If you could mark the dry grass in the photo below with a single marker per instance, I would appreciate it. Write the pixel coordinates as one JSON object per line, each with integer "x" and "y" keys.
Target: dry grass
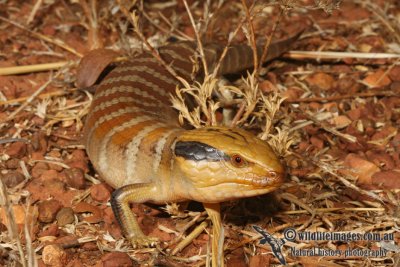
{"x": 268, "y": 114}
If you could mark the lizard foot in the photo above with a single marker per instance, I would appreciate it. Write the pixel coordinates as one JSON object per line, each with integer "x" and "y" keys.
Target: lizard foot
{"x": 144, "y": 241}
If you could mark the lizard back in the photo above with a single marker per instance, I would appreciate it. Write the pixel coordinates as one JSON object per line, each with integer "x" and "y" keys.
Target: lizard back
{"x": 131, "y": 124}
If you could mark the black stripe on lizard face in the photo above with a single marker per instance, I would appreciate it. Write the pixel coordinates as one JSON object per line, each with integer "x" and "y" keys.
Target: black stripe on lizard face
{"x": 218, "y": 131}
{"x": 231, "y": 134}
{"x": 197, "y": 151}
{"x": 237, "y": 133}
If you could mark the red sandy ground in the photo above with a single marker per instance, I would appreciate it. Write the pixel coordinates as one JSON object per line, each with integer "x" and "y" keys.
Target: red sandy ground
{"x": 60, "y": 196}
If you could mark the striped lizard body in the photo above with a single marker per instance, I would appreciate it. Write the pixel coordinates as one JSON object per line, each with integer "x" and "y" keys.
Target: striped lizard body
{"x": 134, "y": 141}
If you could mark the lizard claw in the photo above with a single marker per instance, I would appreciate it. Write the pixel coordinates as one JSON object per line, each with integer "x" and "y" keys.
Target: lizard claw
{"x": 144, "y": 241}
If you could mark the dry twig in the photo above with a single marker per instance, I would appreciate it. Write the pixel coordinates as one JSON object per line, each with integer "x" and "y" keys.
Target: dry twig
{"x": 12, "y": 226}
{"x": 269, "y": 40}
{"x": 135, "y": 22}
{"x": 198, "y": 39}
{"x": 56, "y": 42}
{"x": 35, "y": 9}
{"x": 33, "y": 68}
{"x": 252, "y": 35}
{"x": 341, "y": 97}
{"x": 31, "y": 98}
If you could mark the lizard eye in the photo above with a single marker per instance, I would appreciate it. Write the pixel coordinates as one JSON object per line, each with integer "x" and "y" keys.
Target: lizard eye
{"x": 238, "y": 161}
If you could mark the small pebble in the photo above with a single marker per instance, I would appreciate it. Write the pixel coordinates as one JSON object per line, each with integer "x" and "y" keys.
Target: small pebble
{"x": 54, "y": 255}
{"x": 48, "y": 210}
{"x": 75, "y": 178}
{"x": 12, "y": 178}
{"x": 114, "y": 259}
{"x": 65, "y": 216}
{"x": 100, "y": 192}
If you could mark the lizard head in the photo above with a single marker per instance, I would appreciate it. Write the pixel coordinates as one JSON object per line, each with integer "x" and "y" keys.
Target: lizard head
{"x": 220, "y": 163}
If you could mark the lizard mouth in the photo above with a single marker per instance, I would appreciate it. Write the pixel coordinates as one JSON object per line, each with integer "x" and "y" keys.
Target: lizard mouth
{"x": 273, "y": 180}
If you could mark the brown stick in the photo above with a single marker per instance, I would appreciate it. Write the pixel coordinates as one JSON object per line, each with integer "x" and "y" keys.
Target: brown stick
{"x": 340, "y": 97}
{"x": 56, "y": 42}
{"x": 269, "y": 40}
{"x": 40, "y": 96}
{"x": 182, "y": 34}
{"x": 252, "y": 35}
{"x": 90, "y": 12}
{"x": 32, "y": 15}
{"x": 31, "y": 98}
{"x": 224, "y": 52}
{"x": 239, "y": 113}
{"x": 198, "y": 39}
{"x": 32, "y": 68}
{"x": 134, "y": 20}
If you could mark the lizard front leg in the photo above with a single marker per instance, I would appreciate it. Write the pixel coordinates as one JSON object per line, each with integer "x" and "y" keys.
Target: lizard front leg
{"x": 120, "y": 200}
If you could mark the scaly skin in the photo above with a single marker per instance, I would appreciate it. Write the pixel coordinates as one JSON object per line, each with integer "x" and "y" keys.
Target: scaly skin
{"x": 203, "y": 180}
{"x": 136, "y": 145}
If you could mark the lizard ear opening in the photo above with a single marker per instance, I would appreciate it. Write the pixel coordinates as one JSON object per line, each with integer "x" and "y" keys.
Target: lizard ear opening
{"x": 197, "y": 151}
